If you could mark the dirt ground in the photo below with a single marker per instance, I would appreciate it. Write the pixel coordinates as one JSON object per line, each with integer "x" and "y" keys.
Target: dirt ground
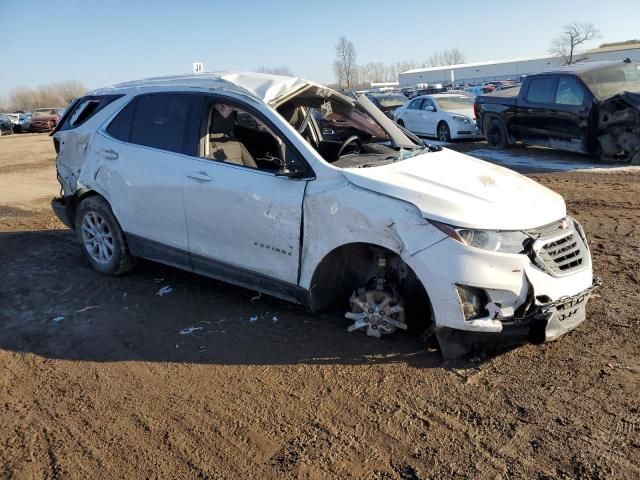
{"x": 102, "y": 378}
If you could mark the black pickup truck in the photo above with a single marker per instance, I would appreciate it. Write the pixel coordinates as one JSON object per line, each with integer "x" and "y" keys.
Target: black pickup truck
{"x": 591, "y": 108}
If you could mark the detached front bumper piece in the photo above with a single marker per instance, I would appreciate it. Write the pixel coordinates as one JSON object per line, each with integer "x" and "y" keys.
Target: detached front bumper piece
{"x": 544, "y": 324}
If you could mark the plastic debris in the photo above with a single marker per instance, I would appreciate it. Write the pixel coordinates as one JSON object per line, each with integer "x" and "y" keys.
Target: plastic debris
{"x": 164, "y": 290}
{"x": 189, "y": 330}
{"x": 87, "y": 308}
{"x": 274, "y": 319}
{"x": 253, "y": 319}
{"x": 57, "y": 319}
{"x": 257, "y": 297}
{"x": 124, "y": 295}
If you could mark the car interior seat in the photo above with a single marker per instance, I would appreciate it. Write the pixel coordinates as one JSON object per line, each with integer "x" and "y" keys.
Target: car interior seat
{"x": 223, "y": 145}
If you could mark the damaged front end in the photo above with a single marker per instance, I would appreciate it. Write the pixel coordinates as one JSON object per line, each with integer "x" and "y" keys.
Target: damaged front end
{"x": 537, "y": 323}
{"x": 619, "y": 128}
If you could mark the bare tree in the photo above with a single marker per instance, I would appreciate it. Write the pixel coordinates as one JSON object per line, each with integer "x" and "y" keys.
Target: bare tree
{"x": 570, "y": 43}
{"x": 51, "y": 95}
{"x": 446, "y": 57}
{"x": 69, "y": 90}
{"x": 344, "y": 66}
{"x": 281, "y": 70}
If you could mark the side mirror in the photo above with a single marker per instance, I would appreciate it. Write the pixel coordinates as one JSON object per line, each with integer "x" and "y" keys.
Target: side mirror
{"x": 285, "y": 172}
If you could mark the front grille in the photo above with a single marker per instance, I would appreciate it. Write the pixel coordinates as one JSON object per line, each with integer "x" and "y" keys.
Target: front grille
{"x": 560, "y": 249}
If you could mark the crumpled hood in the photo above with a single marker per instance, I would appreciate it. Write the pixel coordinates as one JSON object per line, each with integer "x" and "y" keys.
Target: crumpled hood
{"x": 460, "y": 190}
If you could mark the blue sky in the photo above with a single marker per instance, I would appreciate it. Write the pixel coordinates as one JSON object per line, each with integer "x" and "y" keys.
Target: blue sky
{"x": 103, "y": 42}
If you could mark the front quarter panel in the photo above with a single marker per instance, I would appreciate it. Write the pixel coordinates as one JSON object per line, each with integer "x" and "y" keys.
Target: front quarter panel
{"x": 338, "y": 213}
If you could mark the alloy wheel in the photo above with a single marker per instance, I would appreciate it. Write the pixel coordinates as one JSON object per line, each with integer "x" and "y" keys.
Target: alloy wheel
{"x": 97, "y": 237}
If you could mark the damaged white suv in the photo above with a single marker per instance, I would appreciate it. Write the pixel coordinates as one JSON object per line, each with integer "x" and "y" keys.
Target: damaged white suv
{"x": 229, "y": 175}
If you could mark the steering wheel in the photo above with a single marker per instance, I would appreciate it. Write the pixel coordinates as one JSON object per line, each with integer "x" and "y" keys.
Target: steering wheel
{"x": 353, "y": 139}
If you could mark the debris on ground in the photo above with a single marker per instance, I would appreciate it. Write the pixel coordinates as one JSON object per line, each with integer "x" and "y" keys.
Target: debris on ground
{"x": 253, "y": 319}
{"x": 57, "y": 319}
{"x": 87, "y": 308}
{"x": 164, "y": 290}
{"x": 189, "y": 330}
{"x": 257, "y": 297}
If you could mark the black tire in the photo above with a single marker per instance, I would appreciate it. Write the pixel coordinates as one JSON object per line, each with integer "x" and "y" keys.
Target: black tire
{"x": 400, "y": 122}
{"x": 444, "y": 134}
{"x": 496, "y": 133}
{"x": 94, "y": 215}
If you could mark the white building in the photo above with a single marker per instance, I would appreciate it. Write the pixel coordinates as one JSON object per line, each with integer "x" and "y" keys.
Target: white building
{"x": 482, "y": 72}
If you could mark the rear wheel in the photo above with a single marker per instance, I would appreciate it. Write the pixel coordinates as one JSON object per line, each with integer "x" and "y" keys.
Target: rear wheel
{"x": 496, "y": 133}
{"x": 102, "y": 238}
{"x": 444, "y": 134}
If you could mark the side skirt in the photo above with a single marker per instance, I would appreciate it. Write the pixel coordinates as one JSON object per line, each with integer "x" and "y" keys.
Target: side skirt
{"x": 175, "y": 257}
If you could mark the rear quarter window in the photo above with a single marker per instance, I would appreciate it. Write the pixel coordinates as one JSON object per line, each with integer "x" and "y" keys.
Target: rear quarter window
{"x": 83, "y": 110}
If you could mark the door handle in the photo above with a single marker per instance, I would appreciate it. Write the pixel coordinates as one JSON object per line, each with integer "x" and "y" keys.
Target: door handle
{"x": 202, "y": 176}
{"x": 110, "y": 154}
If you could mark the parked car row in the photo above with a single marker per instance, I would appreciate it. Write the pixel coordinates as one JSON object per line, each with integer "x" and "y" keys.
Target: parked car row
{"x": 41, "y": 120}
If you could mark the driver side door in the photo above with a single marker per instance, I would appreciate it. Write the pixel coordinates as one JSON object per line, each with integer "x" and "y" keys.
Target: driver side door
{"x": 243, "y": 220}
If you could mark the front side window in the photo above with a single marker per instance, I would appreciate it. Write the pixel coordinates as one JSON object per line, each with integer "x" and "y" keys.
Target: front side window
{"x": 541, "y": 90}
{"x": 428, "y": 105}
{"x": 238, "y": 137}
{"x": 415, "y": 104}
{"x": 569, "y": 92}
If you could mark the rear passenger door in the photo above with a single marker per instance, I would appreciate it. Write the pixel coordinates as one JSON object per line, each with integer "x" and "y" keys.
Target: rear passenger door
{"x": 142, "y": 153}
{"x": 535, "y": 109}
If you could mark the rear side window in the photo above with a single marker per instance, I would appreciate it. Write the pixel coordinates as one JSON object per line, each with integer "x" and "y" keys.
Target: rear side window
{"x": 83, "y": 109}
{"x": 541, "y": 90}
{"x": 158, "y": 121}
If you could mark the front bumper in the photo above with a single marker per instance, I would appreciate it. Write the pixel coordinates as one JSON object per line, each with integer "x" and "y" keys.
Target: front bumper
{"x": 544, "y": 324}
{"x": 520, "y": 294}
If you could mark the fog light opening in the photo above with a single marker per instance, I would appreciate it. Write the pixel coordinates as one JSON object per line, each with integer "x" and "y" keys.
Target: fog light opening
{"x": 473, "y": 301}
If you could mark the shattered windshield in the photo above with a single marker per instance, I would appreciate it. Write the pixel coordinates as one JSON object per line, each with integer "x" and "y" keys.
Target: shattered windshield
{"x": 608, "y": 82}
{"x": 348, "y": 134}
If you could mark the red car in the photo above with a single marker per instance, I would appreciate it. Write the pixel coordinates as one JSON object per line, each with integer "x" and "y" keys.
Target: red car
{"x": 45, "y": 119}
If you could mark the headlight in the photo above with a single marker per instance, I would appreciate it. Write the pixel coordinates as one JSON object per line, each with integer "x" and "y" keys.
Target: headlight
{"x": 491, "y": 240}
{"x": 460, "y": 119}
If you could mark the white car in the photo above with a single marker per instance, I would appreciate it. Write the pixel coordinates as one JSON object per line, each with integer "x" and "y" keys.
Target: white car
{"x": 228, "y": 175}
{"x": 446, "y": 116}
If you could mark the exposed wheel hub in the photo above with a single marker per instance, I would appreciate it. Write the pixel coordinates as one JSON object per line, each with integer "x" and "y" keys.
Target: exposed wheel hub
{"x": 377, "y": 312}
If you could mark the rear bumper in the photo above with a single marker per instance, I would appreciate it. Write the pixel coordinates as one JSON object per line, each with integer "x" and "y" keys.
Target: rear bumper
{"x": 62, "y": 210}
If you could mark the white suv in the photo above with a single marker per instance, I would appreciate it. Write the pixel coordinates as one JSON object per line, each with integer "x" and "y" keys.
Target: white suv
{"x": 228, "y": 175}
